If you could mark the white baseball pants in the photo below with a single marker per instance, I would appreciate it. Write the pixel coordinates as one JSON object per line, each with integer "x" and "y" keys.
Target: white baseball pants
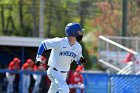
{"x": 58, "y": 81}
{"x": 25, "y": 83}
{"x": 10, "y": 79}
{"x": 37, "y": 79}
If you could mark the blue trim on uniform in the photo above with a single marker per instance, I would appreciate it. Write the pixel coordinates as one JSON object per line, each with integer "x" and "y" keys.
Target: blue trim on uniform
{"x": 78, "y": 62}
{"x": 40, "y": 49}
{"x": 44, "y": 45}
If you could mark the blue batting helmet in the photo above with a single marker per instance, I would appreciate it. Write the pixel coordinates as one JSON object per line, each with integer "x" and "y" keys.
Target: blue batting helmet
{"x": 72, "y": 29}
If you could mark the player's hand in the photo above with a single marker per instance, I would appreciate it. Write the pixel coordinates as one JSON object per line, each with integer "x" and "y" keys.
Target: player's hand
{"x": 38, "y": 61}
{"x": 83, "y": 60}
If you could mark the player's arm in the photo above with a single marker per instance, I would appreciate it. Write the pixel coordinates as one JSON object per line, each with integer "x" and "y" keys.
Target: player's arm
{"x": 41, "y": 48}
{"x": 45, "y": 45}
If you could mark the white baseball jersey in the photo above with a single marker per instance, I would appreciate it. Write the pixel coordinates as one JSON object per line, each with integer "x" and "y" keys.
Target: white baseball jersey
{"x": 62, "y": 54}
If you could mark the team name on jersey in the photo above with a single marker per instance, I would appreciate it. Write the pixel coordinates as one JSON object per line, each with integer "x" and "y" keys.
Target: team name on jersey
{"x": 67, "y": 53}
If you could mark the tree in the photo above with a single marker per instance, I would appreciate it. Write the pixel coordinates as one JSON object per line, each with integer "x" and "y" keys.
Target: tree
{"x": 109, "y": 20}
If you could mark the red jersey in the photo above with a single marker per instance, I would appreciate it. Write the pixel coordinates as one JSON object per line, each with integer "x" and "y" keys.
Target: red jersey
{"x": 76, "y": 78}
{"x": 129, "y": 57}
{"x": 14, "y": 66}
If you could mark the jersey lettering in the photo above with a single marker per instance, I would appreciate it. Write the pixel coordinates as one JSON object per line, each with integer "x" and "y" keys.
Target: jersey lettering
{"x": 67, "y": 53}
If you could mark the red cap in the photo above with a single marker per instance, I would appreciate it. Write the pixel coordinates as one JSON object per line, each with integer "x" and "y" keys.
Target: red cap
{"x": 79, "y": 68}
{"x": 16, "y": 60}
{"x": 29, "y": 61}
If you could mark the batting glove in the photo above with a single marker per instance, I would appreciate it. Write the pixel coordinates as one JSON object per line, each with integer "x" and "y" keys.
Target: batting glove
{"x": 83, "y": 61}
{"x": 38, "y": 61}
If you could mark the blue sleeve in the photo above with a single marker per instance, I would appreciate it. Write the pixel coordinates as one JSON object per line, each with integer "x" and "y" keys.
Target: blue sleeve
{"x": 41, "y": 49}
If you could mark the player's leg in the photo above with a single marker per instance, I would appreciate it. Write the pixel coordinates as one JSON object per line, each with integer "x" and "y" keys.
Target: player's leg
{"x": 59, "y": 80}
{"x": 53, "y": 88}
{"x": 37, "y": 79}
{"x": 25, "y": 83}
{"x": 80, "y": 88}
{"x": 10, "y": 79}
{"x": 28, "y": 80}
{"x": 12, "y": 82}
{"x": 63, "y": 86}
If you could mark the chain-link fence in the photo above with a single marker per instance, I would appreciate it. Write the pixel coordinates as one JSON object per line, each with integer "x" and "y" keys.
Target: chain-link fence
{"x": 105, "y": 83}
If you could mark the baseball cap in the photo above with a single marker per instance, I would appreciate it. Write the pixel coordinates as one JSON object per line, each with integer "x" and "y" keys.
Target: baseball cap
{"x": 29, "y": 61}
{"x": 79, "y": 68}
{"x": 16, "y": 60}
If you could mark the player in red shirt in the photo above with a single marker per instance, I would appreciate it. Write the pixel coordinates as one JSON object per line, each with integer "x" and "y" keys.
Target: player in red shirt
{"x": 13, "y": 65}
{"x": 38, "y": 77}
{"x": 77, "y": 80}
{"x": 28, "y": 66}
{"x": 129, "y": 57}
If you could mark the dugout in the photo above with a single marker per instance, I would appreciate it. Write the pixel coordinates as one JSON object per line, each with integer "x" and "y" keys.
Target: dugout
{"x": 21, "y": 47}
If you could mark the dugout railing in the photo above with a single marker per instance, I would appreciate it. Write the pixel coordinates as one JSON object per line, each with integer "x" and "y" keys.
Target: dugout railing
{"x": 20, "y": 72}
{"x": 113, "y": 54}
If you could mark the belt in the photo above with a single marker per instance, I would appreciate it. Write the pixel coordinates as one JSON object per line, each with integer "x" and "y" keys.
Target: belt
{"x": 59, "y": 71}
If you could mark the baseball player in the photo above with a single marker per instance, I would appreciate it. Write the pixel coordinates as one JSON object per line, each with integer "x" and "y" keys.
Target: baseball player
{"x": 38, "y": 77}
{"x": 129, "y": 57}
{"x": 14, "y": 65}
{"x": 77, "y": 80}
{"x": 64, "y": 52}
{"x": 28, "y": 66}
